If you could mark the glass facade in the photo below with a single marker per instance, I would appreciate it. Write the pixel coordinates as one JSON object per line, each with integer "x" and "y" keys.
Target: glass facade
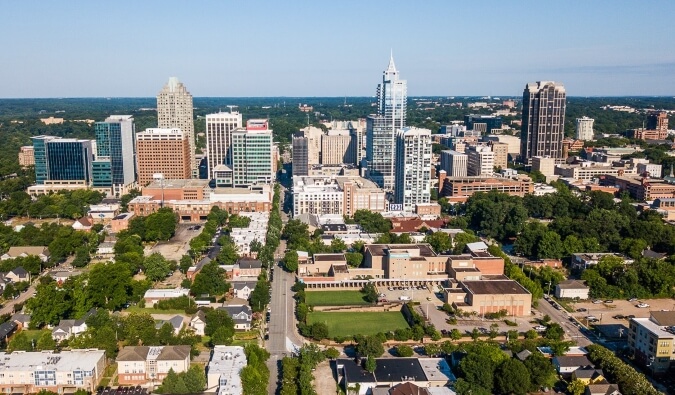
{"x": 69, "y": 159}
{"x": 101, "y": 174}
{"x": 252, "y": 158}
{"x": 115, "y": 144}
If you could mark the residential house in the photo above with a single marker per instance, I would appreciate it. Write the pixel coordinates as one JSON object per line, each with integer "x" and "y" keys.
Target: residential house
{"x": 60, "y": 276}
{"x": 193, "y": 270}
{"x": 240, "y": 314}
{"x": 106, "y": 248}
{"x": 571, "y": 289}
{"x": 153, "y": 296}
{"x": 584, "y": 260}
{"x": 243, "y": 289}
{"x": 409, "y": 388}
{"x": 566, "y": 365}
{"x": 7, "y": 328}
{"x": 39, "y": 251}
{"x": 23, "y": 320}
{"x": 198, "y": 322}
{"x": 140, "y": 365}
{"x": 18, "y": 274}
{"x": 589, "y": 375}
{"x": 69, "y": 328}
{"x": 176, "y": 323}
{"x": 602, "y": 389}
{"x": 247, "y": 267}
{"x": 83, "y": 224}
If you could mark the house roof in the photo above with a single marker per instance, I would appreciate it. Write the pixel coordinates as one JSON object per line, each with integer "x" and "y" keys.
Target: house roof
{"x": 199, "y": 314}
{"x": 407, "y": 388}
{"x": 653, "y": 254}
{"x": 162, "y": 353}
{"x": 383, "y": 249}
{"x": 239, "y": 285}
{"x": 84, "y": 221}
{"x": 572, "y": 284}
{"x": 21, "y": 318}
{"x": 176, "y": 322}
{"x": 237, "y": 309}
{"x": 602, "y": 389}
{"x": 248, "y": 263}
{"x": 588, "y": 373}
{"x": 477, "y": 246}
{"x": 334, "y": 227}
{"x": 571, "y": 361}
{"x": 137, "y": 353}
{"x": 174, "y": 353}
{"x": 413, "y": 225}
{"x": 19, "y": 271}
{"x": 663, "y": 318}
{"x": 28, "y": 250}
{"x": 491, "y": 287}
{"x": 7, "y": 329}
{"x": 523, "y": 354}
{"x": 329, "y": 257}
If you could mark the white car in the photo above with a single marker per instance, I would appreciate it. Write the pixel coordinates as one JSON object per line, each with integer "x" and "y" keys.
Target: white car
{"x": 540, "y": 328}
{"x": 404, "y": 297}
{"x": 642, "y": 305}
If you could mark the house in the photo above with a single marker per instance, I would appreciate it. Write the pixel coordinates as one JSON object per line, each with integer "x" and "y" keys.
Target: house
{"x": 478, "y": 246}
{"x": 15, "y": 252}
{"x": 7, "y": 328}
{"x": 240, "y": 314}
{"x": 566, "y": 365}
{"x": 223, "y": 371}
{"x": 584, "y": 260}
{"x": 23, "y": 320}
{"x": 602, "y": 389}
{"x": 176, "y": 323}
{"x": 409, "y": 388}
{"x": 193, "y": 270}
{"x": 247, "y": 267}
{"x": 414, "y": 225}
{"x": 198, "y": 322}
{"x": 243, "y": 289}
{"x": 140, "y": 365}
{"x": 589, "y": 376}
{"x": 153, "y": 296}
{"x": 69, "y": 328}
{"x": 18, "y": 274}
{"x": 523, "y": 355}
{"x": 572, "y": 289}
{"x": 106, "y": 248}
{"x": 653, "y": 254}
{"x": 60, "y": 276}
{"x": 83, "y": 224}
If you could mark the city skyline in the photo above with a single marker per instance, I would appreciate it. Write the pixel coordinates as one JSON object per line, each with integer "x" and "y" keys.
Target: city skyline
{"x": 326, "y": 49}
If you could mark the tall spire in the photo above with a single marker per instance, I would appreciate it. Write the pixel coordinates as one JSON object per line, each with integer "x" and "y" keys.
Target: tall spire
{"x": 392, "y": 67}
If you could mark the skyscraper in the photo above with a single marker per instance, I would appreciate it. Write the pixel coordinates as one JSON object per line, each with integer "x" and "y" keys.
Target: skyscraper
{"x": 219, "y": 129}
{"x": 543, "y": 126}
{"x": 413, "y": 168}
{"x": 585, "y": 128}
{"x": 164, "y": 151}
{"x": 335, "y": 147}
{"x": 381, "y": 128}
{"x": 252, "y": 154}
{"x": 174, "y": 110}
{"x": 658, "y": 120}
{"x": 300, "y": 156}
{"x": 58, "y": 159}
{"x": 454, "y": 163}
{"x": 115, "y": 164}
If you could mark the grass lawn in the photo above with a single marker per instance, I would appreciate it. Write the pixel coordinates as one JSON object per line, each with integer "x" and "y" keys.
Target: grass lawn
{"x": 334, "y": 298}
{"x": 136, "y": 309}
{"x": 357, "y": 323}
{"x": 34, "y": 334}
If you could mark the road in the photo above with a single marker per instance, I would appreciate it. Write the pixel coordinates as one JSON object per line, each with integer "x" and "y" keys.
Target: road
{"x": 572, "y": 332}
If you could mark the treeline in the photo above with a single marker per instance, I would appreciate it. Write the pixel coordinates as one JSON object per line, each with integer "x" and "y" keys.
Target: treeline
{"x": 296, "y": 371}
{"x": 63, "y": 204}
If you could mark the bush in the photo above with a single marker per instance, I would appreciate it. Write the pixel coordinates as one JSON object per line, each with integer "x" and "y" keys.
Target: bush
{"x": 404, "y": 351}
{"x": 510, "y": 323}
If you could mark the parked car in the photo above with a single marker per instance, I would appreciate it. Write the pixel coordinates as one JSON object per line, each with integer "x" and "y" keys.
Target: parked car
{"x": 619, "y": 317}
{"x": 632, "y": 300}
{"x": 597, "y": 301}
{"x": 404, "y": 297}
{"x": 608, "y": 301}
{"x": 582, "y": 310}
{"x": 540, "y": 328}
{"x": 642, "y": 305}
{"x": 630, "y": 317}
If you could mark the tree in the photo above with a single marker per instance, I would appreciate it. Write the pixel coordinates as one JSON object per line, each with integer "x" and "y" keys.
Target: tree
{"x": 372, "y": 222}
{"x": 20, "y": 342}
{"x": 210, "y": 281}
{"x": 404, "y": 351}
{"x": 291, "y": 261}
{"x": 156, "y": 267}
{"x": 337, "y": 245}
{"x": 512, "y": 377}
{"x": 439, "y": 241}
{"x": 195, "y": 379}
{"x": 46, "y": 342}
{"x": 216, "y": 319}
{"x": 478, "y": 369}
{"x": 185, "y": 263}
{"x": 542, "y": 372}
{"x": 554, "y": 332}
{"x": 260, "y": 297}
{"x": 369, "y": 346}
{"x": 139, "y": 329}
{"x": 370, "y": 364}
{"x": 108, "y": 284}
{"x": 550, "y": 246}
{"x": 49, "y": 305}
{"x": 160, "y": 225}
{"x": 354, "y": 259}
{"x": 461, "y": 240}
{"x": 332, "y": 353}
{"x": 576, "y": 387}
{"x": 455, "y": 334}
{"x": 370, "y": 293}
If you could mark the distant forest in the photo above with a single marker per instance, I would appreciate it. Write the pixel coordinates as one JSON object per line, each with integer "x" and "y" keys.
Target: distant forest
{"x": 19, "y": 118}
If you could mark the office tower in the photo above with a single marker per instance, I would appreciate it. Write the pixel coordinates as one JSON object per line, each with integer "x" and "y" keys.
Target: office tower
{"x": 252, "y": 154}
{"x": 335, "y": 147}
{"x": 313, "y": 135}
{"x": 482, "y": 123}
{"x": 480, "y": 160}
{"x": 381, "y": 128}
{"x": 356, "y": 130}
{"x": 300, "y": 156}
{"x": 501, "y": 154}
{"x": 58, "y": 159}
{"x": 174, "y": 110}
{"x": 413, "y": 168}
{"x": 585, "y": 128}
{"x": 115, "y": 164}
{"x": 219, "y": 129}
{"x": 454, "y": 163}
{"x": 543, "y": 124}
{"x": 165, "y": 151}
{"x": 658, "y": 120}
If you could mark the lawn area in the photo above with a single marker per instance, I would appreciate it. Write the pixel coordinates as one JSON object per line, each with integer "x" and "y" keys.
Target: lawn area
{"x": 334, "y": 298}
{"x": 150, "y": 310}
{"x": 34, "y": 334}
{"x": 356, "y": 323}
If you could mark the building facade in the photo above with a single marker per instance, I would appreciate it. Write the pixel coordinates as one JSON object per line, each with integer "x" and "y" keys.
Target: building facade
{"x": 58, "y": 159}
{"x": 585, "y": 128}
{"x": 458, "y": 189}
{"x": 139, "y": 365}
{"x": 658, "y": 120}
{"x": 175, "y": 110}
{"x": 26, "y": 156}
{"x": 543, "y": 122}
{"x": 482, "y": 123}
{"x": 115, "y": 164}
{"x": 219, "y": 129}
{"x": 413, "y": 168}
{"x": 252, "y": 154}
{"x": 163, "y": 151}
{"x": 454, "y": 163}
{"x": 335, "y": 147}
{"x": 651, "y": 341}
{"x": 392, "y": 96}
{"x": 480, "y": 160}
{"x": 342, "y": 195}
{"x": 300, "y": 163}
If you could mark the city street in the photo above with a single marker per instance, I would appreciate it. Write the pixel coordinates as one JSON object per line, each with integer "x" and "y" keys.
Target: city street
{"x": 572, "y": 332}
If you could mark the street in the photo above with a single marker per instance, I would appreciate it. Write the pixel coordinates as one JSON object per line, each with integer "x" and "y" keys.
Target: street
{"x": 572, "y": 332}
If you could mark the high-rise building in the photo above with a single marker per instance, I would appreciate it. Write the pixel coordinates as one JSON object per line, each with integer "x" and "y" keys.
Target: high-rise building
{"x": 543, "y": 123}
{"x": 413, "y": 168}
{"x": 219, "y": 129}
{"x": 174, "y": 110}
{"x": 454, "y": 163}
{"x": 252, "y": 154}
{"x": 658, "y": 120}
{"x": 300, "y": 163}
{"x": 115, "y": 164}
{"x": 501, "y": 154}
{"x": 58, "y": 159}
{"x": 480, "y": 160}
{"x": 585, "y": 128}
{"x": 381, "y": 128}
{"x": 313, "y": 135}
{"x": 335, "y": 147}
{"x": 163, "y": 151}
{"x": 482, "y": 123}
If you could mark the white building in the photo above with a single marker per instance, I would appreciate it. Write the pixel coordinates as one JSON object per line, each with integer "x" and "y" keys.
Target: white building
{"x": 64, "y": 372}
{"x": 219, "y": 129}
{"x": 224, "y": 369}
{"x": 544, "y": 164}
{"x": 256, "y": 231}
{"x": 174, "y": 110}
{"x": 480, "y": 160}
{"x": 571, "y": 289}
{"x": 585, "y": 128}
{"x": 341, "y": 195}
{"x": 153, "y": 296}
{"x": 454, "y": 163}
{"x": 413, "y": 168}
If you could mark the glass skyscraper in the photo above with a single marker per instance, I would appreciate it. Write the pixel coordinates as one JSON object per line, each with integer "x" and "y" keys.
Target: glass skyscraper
{"x": 115, "y": 164}
{"x": 392, "y": 96}
{"x": 252, "y": 154}
{"x": 65, "y": 159}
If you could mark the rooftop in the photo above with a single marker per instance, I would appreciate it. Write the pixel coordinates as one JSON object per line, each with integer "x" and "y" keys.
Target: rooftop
{"x": 65, "y": 361}
{"x": 663, "y": 318}
{"x": 575, "y": 360}
{"x": 227, "y": 362}
{"x": 490, "y": 287}
{"x": 177, "y": 183}
{"x": 656, "y": 329}
{"x": 425, "y": 250}
{"x": 572, "y": 284}
{"x": 329, "y": 257}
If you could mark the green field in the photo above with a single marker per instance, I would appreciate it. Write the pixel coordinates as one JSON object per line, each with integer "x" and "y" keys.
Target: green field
{"x": 356, "y": 323}
{"x": 334, "y": 298}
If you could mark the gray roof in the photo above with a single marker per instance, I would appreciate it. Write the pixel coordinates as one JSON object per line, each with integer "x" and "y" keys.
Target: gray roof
{"x": 7, "y": 329}
{"x": 248, "y": 263}
{"x": 570, "y": 361}
{"x": 19, "y": 271}
{"x": 241, "y": 284}
{"x": 523, "y": 354}
{"x": 237, "y": 309}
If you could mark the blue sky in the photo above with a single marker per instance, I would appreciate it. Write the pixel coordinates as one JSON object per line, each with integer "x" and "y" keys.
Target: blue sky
{"x": 319, "y": 48}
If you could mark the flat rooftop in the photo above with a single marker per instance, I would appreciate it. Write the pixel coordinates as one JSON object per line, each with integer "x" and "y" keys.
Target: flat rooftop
{"x": 189, "y": 183}
{"x": 329, "y": 257}
{"x": 491, "y": 287}
{"x": 65, "y": 361}
{"x": 654, "y": 328}
{"x": 383, "y": 249}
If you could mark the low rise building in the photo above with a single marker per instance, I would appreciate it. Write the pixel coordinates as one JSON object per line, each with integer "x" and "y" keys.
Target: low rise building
{"x": 153, "y": 296}
{"x": 571, "y": 289}
{"x": 641, "y": 188}
{"x": 651, "y": 341}
{"x": 63, "y": 372}
{"x": 459, "y": 189}
{"x": 342, "y": 195}
{"x": 241, "y": 315}
{"x": 27, "y": 156}
{"x": 223, "y": 373}
{"x": 140, "y": 365}
{"x": 565, "y": 365}
{"x": 490, "y": 296}
{"x": 120, "y": 222}
{"x": 247, "y": 267}
{"x": 586, "y": 259}
{"x": 103, "y": 212}
{"x": 243, "y": 289}
{"x": 24, "y": 251}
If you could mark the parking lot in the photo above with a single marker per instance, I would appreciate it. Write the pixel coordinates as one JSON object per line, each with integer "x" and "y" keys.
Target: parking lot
{"x": 179, "y": 244}
{"x": 617, "y": 311}
{"x": 419, "y": 294}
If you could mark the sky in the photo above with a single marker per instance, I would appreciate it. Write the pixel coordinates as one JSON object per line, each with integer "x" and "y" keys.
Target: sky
{"x": 125, "y": 48}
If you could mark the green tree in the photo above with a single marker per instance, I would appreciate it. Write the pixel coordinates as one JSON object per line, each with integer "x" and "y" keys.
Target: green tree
{"x": 369, "y": 292}
{"x": 369, "y": 346}
{"x": 550, "y": 246}
{"x": 185, "y": 263}
{"x": 49, "y": 305}
{"x": 439, "y": 241}
{"x": 404, "y": 351}
{"x": 332, "y": 353}
{"x": 542, "y": 372}
{"x": 260, "y": 297}
{"x": 554, "y": 332}
{"x": 372, "y": 222}
{"x": 156, "y": 267}
{"x": 195, "y": 379}
{"x": 576, "y": 387}
{"x": 160, "y": 225}
{"x": 210, "y": 281}
{"x": 319, "y": 331}
{"x": 291, "y": 261}
{"x": 218, "y": 319}
{"x": 461, "y": 240}
{"x": 354, "y": 259}
{"x": 512, "y": 377}
{"x": 478, "y": 369}
{"x": 46, "y": 342}
{"x": 108, "y": 284}
{"x": 19, "y": 342}
{"x": 370, "y": 364}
